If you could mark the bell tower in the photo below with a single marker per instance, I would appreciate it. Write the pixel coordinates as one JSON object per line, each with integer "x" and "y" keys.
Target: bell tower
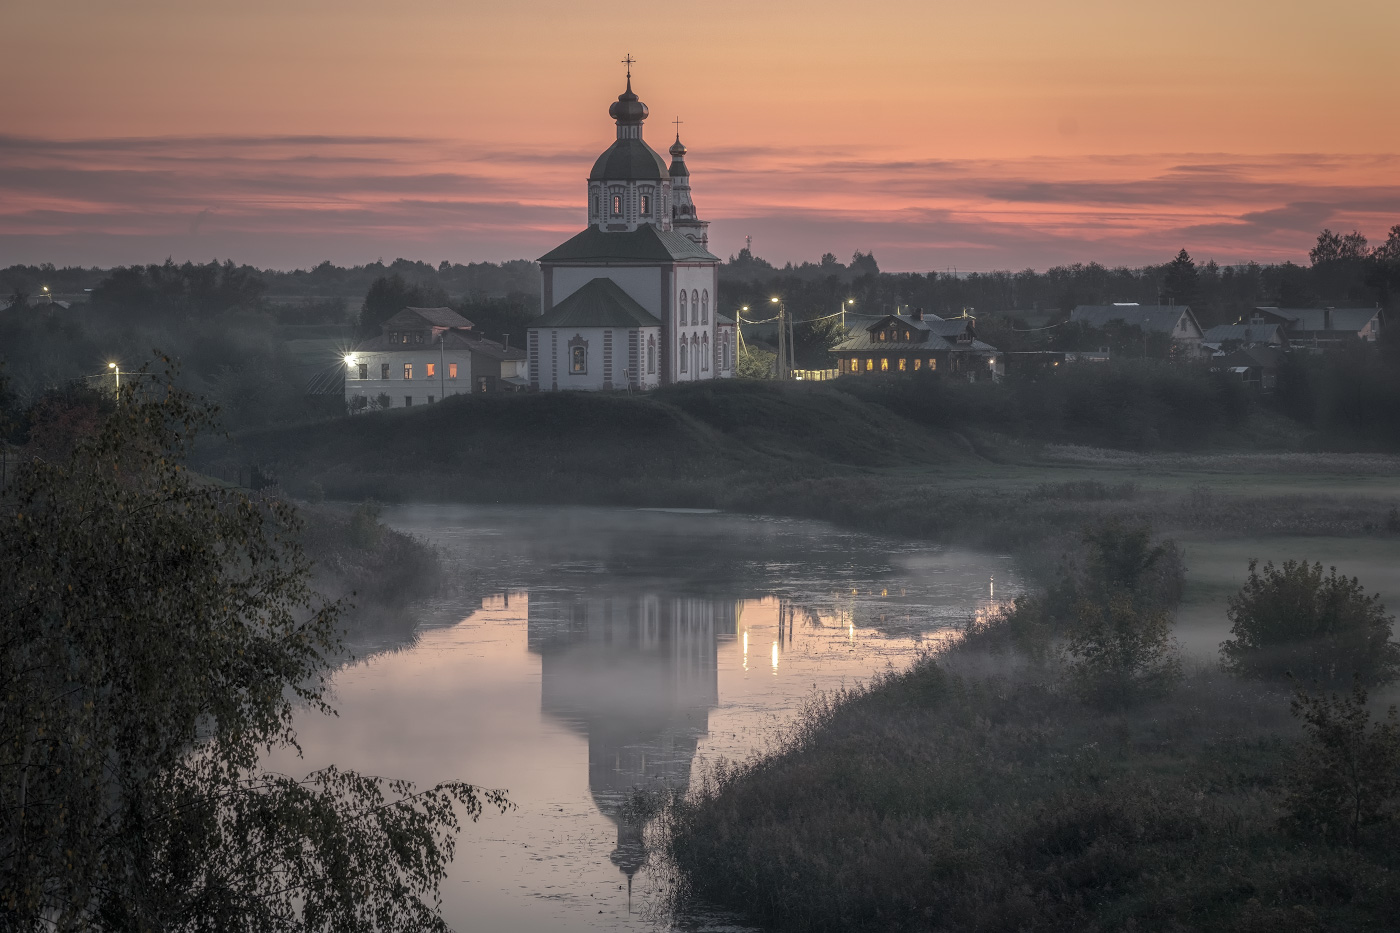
{"x": 684, "y": 219}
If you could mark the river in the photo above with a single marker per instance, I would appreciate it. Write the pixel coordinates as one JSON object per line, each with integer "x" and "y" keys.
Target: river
{"x": 581, "y": 653}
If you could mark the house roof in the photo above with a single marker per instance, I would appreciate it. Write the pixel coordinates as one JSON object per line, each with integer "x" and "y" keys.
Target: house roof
{"x": 1161, "y": 319}
{"x": 645, "y": 244}
{"x": 434, "y": 317}
{"x": 722, "y": 321}
{"x": 1351, "y": 320}
{"x": 451, "y": 340}
{"x": 599, "y": 303}
{"x": 1262, "y": 357}
{"x": 1248, "y": 333}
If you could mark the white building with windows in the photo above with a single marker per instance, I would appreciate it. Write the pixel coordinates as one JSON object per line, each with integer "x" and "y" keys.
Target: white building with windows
{"x": 631, "y": 301}
{"x": 423, "y": 355}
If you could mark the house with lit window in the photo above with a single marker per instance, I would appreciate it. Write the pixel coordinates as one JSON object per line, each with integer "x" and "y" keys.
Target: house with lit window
{"x": 1322, "y": 328}
{"x": 631, "y": 301}
{"x": 913, "y": 343}
{"x": 426, "y": 354}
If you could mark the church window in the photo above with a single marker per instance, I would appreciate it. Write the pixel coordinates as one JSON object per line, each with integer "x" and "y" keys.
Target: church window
{"x": 578, "y": 360}
{"x": 705, "y": 353}
{"x": 685, "y": 346}
{"x": 725, "y": 354}
{"x": 364, "y": 370}
{"x": 432, "y": 370}
{"x": 597, "y": 205}
{"x": 383, "y": 370}
{"x": 682, "y": 307}
{"x": 646, "y": 204}
{"x": 705, "y": 307}
{"x": 694, "y": 306}
{"x": 431, "y": 400}
{"x": 617, "y": 205}
{"x": 451, "y": 370}
{"x": 408, "y": 370}
{"x": 408, "y": 401}
{"x": 651, "y": 355}
{"x": 884, "y": 364}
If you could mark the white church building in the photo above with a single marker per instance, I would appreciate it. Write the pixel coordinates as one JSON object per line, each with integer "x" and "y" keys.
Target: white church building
{"x": 631, "y": 302}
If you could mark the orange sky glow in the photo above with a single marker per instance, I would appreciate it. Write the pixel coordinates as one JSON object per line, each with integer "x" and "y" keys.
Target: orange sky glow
{"x": 1002, "y": 134}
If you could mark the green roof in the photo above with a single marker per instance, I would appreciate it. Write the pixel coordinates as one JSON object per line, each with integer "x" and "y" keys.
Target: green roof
{"x": 600, "y": 303}
{"x": 629, "y": 159}
{"x": 645, "y": 244}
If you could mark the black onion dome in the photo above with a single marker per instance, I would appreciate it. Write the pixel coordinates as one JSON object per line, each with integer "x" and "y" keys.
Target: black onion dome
{"x": 629, "y": 159}
{"x": 678, "y": 168}
{"x": 677, "y": 148}
{"x": 627, "y": 109}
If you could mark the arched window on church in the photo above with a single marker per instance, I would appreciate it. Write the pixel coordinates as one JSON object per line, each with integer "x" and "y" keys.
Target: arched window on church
{"x": 617, "y": 205}
{"x": 705, "y": 306}
{"x": 724, "y": 354}
{"x": 682, "y": 307}
{"x": 705, "y": 351}
{"x": 651, "y": 355}
{"x": 646, "y": 205}
{"x": 685, "y": 345}
{"x": 694, "y": 306}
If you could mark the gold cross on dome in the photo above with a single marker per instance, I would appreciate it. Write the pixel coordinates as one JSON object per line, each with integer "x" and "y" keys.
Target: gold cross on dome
{"x": 678, "y": 121}
{"x": 629, "y": 61}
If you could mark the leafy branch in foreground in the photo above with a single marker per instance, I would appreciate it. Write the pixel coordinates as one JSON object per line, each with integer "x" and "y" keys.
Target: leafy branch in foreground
{"x": 159, "y": 633}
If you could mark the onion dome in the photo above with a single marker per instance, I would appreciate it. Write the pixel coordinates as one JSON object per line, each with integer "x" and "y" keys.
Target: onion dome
{"x": 678, "y": 168}
{"x": 678, "y": 148}
{"x": 627, "y": 109}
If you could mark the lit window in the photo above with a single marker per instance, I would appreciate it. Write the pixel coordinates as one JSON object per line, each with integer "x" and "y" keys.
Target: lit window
{"x": 405, "y": 339}
{"x": 917, "y": 364}
{"x": 869, "y": 364}
{"x": 932, "y": 363}
{"x": 906, "y": 335}
{"x": 646, "y": 204}
{"x": 578, "y": 360}
{"x": 451, "y": 370}
{"x": 901, "y": 364}
{"x": 432, "y": 371}
{"x": 682, "y": 307}
{"x": 884, "y": 364}
{"x": 364, "y": 370}
{"x": 383, "y": 370}
{"x": 408, "y": 370}
{"x": 882, "y": 335}
{"x": 617, "y": 205}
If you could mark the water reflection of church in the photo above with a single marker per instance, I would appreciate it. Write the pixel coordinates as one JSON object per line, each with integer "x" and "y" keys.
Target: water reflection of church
{"x": 636, "y": 675}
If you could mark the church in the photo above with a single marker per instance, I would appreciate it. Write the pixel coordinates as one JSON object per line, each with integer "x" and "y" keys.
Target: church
{"x": 631, "y": 302}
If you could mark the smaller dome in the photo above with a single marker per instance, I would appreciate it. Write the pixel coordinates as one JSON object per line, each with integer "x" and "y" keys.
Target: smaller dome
{"x": 677, "y": 148}
{"x": 627, "y": 109}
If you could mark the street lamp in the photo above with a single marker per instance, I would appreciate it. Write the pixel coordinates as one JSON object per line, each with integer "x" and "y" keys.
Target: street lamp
{"x": 848, "y": 301}
{"x": 116, "y": 375}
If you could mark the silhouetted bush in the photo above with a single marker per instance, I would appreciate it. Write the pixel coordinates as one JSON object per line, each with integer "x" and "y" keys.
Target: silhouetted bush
{"x": 1292, "y": 620}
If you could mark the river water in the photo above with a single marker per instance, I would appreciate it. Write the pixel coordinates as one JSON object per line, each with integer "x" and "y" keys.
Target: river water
{"x": 583, "y": 653}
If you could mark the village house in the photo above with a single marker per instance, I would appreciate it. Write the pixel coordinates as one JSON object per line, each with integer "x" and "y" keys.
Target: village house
{"x": 1225, "y": 337}
{"x": 1174, "y": 321}
{"x": 919, "y": 342}
{"x": 426, "y": 354}
{"x": 1256, "y": 365}
{"x": 632, "y": 300}
{"x": 1322, "y": 328}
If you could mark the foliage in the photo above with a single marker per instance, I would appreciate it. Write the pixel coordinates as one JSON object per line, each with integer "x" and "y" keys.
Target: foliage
{"x": 164, "y": 292}
{"x": 365, "y": 529}
{"x": 1180, "y": 280}
{"x": 1292, "y": 620}
{"x": 390, "y": 294}
{"x": 1346, "y": 778}
{"x": 1120, "y": 652}
{"x": 754, "y": 363}
{"x": 159, "y": 634}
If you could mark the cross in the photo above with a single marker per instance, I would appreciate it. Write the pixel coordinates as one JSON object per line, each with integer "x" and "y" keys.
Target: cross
{"x": 678, "y": 121}
{"x": 629, "y": 61}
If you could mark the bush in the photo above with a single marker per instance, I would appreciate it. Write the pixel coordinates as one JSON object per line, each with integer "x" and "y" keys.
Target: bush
{"x": 1118, "y": 652}
{"x": 1347, "y": 775}
{"x": 365, "y": 529}
{"x": 1293, "y": 620}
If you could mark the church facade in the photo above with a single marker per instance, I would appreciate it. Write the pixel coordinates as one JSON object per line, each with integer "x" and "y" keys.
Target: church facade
{"x": 631, "y": 302}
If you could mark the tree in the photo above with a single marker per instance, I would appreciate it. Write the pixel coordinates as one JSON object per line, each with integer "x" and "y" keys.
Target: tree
{"x": 864, "y": 264}
{"x": 1180, "y": 279}
{"x": 1118, "y": 651}
{"x": 1333, "y": 247}
{"x": 390, "y": 294}
{"x": 1346, "y": 777}
{"x": 1293, "y": 620}
{"x": 158, "y": 635}
{"x": 755, "y": 363}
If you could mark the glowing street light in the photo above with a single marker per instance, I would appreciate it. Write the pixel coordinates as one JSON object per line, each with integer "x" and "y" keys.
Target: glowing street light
{"x": 116, "y": 374}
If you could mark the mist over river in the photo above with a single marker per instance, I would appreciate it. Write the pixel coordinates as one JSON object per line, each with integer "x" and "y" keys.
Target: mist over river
{"x": 581, "y": 653}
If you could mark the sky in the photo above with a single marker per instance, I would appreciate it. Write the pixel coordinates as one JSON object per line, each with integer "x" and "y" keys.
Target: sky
{"x": 1003, "y": 134}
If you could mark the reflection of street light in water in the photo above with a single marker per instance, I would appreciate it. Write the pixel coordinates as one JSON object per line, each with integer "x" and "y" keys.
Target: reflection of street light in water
{"x": 775, "y": 657}
{"x": 746, "y": 649}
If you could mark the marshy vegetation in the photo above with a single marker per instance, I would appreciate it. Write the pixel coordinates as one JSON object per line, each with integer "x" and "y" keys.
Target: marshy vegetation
{"x": 1057, "y": 769}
